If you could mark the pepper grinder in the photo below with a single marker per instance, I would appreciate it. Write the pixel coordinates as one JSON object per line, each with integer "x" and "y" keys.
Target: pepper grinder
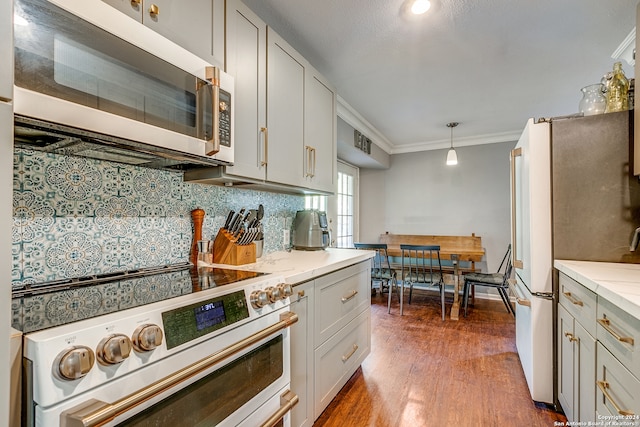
{"x": 197, "y": 215}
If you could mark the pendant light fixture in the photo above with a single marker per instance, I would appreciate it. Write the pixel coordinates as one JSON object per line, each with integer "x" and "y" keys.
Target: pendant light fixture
{"x": 452, "y": 157}
{"x": 418, "y": 7}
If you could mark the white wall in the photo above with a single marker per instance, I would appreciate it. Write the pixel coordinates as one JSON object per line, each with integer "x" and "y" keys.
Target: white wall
{"x": 419, "y": 194}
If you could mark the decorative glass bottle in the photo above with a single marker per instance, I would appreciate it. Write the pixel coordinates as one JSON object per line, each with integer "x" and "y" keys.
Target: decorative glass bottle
{"x": 593, "y": 100}
{"x": 617, "y": 90}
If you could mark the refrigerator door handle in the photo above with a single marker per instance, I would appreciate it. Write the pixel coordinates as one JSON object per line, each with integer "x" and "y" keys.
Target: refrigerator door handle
{"x": 544, "y": 295}
{"x": 514, "y": 290}
{"x": 515, "y": 201}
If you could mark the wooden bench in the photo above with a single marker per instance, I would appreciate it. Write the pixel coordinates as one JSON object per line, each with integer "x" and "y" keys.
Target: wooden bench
{"x": 459, "y": 253}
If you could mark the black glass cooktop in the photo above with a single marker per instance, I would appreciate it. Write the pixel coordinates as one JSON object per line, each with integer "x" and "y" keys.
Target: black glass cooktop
{"x": 45, "y": 305}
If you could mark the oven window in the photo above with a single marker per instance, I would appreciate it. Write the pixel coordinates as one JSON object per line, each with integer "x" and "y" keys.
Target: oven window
{"x": 210, "y": 400}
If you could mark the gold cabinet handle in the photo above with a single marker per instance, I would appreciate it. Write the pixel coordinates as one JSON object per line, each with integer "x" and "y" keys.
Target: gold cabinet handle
{"x": 154, "y": 10}
{"x": 351, "y": 353}
{"x": 265, "y": 131}
{"x": 604, "y": 388}
{"x": 571, "y": 337}
{"x": 606, "y": 324}
{"x": 288, "y": 400}
{"x": 573, "y": 299}
{"x": 313, "y": 170}
{"x": 351, "y": 295}
{"x": 136, "y": 3}
{"x": 96, "y": 413}
{"x": 309, "y": 161}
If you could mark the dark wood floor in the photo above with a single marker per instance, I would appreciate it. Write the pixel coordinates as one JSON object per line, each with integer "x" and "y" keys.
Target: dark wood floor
{"x": 424, "y": 372}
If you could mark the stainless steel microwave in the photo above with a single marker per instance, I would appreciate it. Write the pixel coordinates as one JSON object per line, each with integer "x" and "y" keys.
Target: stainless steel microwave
{"x": 87, "y": 75}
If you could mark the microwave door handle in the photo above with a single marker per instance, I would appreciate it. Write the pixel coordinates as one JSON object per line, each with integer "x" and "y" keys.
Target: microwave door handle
{"x": 212, "y": 146}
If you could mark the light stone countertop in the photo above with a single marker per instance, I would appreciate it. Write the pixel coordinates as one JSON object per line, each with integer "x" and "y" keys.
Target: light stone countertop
{"x": 301, "y": 266}
{"x": 616, "y": 282}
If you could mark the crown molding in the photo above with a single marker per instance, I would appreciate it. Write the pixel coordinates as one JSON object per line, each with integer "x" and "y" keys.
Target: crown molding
{"x": 347, "y": 113}
{"x": 458, "y": 142}
{"x": 626, "y": 48}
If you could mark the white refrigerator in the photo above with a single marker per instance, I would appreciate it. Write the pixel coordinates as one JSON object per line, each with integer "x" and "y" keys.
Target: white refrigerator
{"x": 573, "y": 196}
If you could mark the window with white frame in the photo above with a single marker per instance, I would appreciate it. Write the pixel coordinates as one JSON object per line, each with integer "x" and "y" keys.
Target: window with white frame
{"x": 345, "y": 202}
{"x": 318, "y": 203}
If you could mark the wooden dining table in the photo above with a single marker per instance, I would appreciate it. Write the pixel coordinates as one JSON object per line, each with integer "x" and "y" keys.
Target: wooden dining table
{"x": 454, "y": 253}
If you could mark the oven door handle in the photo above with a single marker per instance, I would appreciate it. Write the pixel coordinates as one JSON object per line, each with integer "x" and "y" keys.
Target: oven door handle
{"x": 97, "y": 413}
{"x": 288, "y": 400}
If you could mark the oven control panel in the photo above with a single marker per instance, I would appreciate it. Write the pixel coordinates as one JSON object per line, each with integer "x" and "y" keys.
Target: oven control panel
{"x": 78, "y": 357}
{"x": 193, "y": 321}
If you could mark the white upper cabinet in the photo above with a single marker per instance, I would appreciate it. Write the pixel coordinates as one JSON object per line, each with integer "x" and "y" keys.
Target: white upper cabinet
{"x": 320, "y": 124}
{"x": 285, "y": 112}
{"x": 6, "y": 50}
{"x": 247, "y": 63}
{"x": 197, "y": 25}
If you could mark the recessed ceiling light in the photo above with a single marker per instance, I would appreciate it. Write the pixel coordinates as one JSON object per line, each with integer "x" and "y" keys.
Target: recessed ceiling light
{"x": 420, "y": 6}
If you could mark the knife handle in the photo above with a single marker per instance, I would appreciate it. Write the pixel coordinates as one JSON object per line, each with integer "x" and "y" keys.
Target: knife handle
{"x": 197, "y": 215}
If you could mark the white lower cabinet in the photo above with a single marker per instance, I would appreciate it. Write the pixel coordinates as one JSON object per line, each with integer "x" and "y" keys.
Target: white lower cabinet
{"x": 618, "y": 368}
{"x": 618, "y": 392}
{"x": 338, "y": 358}
{"x": 302, "y": 354}
{"x": 331, "y": 338}
{"x": 598, "y": 358}
{"x": 576, "y": 368}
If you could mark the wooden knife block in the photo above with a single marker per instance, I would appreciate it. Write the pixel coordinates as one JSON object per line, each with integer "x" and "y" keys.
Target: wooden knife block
{"x": 225, "y": 251}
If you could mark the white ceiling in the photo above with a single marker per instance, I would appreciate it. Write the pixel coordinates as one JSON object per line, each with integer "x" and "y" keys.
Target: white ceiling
{"x": 488, "y": 64}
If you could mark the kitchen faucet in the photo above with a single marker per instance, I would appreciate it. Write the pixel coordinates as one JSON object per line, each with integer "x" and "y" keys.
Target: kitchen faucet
{"x": 634, "y": 241}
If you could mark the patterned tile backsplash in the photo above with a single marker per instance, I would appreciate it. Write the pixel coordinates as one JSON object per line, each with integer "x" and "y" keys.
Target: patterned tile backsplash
{"x": 75, "y": 217}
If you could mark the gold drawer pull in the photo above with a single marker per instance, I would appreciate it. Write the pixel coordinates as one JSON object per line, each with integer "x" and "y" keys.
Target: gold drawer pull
{"x": 351, "y": 353}
{"x": 351, "y": 295}
{"x": 573, "y": 299}
{"x": 606, "y": 323}
{"x": 287, "y": 401}
{"x": 604, "y": 386}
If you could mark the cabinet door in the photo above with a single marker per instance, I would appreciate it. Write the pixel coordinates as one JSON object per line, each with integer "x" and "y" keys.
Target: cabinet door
{"x": 130, "y": 8}
{"x": 285, "y": 112}
{"x": 302, "y": 355}
{"x": 566, "y": 366}
{"x": 197, "y": 25}
{"x": 246, "y": 62}
{"x": 320, "y": 124}
{"x": 585, "y": 385}
{"x": 618, "y": 391}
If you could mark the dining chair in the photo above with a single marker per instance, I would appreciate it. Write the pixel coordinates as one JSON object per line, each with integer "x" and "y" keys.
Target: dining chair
{"x": 381, "y": 270}
{"x": 498, "y": 280}
{"x": 421, "y": 265}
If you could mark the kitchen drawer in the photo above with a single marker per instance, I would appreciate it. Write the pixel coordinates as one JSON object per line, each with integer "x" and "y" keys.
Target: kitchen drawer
{"x": 620, "y": 333}
{"x": 339, "y": 298}
{"x": 622, "y": 398}
{"x": 338, "y": 358}
{"x": 579, "y": 301}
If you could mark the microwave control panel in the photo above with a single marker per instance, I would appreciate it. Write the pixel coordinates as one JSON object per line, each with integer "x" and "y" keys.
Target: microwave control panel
{"x": 225, "y": 118}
